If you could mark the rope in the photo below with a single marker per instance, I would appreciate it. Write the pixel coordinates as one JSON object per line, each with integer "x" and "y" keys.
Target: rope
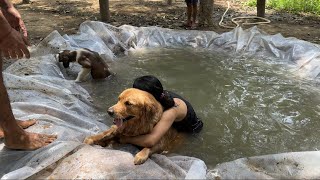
{"x": 236, "y": 19}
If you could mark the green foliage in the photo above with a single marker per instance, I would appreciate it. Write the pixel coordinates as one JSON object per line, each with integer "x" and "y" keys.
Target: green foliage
{"x": 251, "y": 3}
{"x": 312, "y": 6}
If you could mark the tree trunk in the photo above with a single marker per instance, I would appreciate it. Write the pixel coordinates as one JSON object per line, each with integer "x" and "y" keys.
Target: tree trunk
{"x": 26, "y": 1}
{"x": 261, "y": 8}
{"x": 104, "y": 10}
{"x": 205, "y": 13}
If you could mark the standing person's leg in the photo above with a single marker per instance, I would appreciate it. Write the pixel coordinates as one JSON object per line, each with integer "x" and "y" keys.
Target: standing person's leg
{"x": 23, "y": 124}
{"x": 194, "y": 12}
{"x": 15, "y": 136}
{"x": 189, "y": 12}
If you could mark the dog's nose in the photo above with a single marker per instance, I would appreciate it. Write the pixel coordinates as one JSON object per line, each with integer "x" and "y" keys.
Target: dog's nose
{"x": 110, "y": 112}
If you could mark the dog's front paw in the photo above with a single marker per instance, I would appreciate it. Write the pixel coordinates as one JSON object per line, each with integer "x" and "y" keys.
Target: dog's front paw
{"x": 140, "y": 158}
{"x": 89, "y": 141}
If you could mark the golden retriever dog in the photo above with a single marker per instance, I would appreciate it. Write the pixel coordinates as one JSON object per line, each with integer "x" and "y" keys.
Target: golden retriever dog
{"x": 136, "y": 113}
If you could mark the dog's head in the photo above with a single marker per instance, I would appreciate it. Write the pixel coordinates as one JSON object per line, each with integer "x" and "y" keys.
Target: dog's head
{"x": 66, "y": 56}
{"x": 136, "y": 112}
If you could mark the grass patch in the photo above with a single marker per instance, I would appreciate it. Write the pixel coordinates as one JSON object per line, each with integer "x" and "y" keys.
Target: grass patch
{"x": 296, "y": 6}
{"x": 251, "y": 3}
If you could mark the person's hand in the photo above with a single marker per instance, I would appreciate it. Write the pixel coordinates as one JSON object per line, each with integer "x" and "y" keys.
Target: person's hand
{"x": 14, "y": 18}
{"x": 14, "y": 46}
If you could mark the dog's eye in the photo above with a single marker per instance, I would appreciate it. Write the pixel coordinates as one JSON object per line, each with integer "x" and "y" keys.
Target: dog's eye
{"x": 127, "y": 103}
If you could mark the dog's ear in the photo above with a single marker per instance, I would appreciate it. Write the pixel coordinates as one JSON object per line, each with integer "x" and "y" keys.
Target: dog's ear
{"x": 60, "y": 57}
{"x": 151, "y": 111}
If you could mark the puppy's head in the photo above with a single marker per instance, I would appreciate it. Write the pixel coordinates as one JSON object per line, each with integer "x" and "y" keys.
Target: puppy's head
{"x": 66, "y": 56}
{"x": 136, "y": 109}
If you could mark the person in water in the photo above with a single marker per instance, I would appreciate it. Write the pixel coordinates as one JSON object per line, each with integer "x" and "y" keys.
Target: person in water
{"x": 177, "y": 112}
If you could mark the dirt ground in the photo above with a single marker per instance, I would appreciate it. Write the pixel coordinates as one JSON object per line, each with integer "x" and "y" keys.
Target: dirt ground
{"x": 44, "y": 16}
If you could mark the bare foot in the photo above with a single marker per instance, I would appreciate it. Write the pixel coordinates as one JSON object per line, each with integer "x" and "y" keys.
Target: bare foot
{"x": 23, "y": 124}
{"x": 28, "y": 141}
{"x": 27, "y": 123}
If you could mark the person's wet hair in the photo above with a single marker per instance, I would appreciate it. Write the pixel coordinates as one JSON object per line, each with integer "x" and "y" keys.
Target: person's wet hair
{"x": 153, "y": 86}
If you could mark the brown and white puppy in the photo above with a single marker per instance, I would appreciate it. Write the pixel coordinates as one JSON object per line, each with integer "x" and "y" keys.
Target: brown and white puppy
{"x": 136, "y": 113}
{"x": 90, "y": 62}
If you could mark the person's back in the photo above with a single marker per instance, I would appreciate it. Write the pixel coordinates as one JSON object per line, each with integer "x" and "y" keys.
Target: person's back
{"x": 191, "y": 123}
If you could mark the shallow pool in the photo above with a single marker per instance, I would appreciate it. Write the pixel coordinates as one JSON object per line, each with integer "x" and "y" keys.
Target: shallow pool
{"x": 249, "y": 106}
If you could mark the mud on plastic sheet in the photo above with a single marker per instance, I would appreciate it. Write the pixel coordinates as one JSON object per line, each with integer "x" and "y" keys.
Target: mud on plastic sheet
{"x": 39, "y": 88}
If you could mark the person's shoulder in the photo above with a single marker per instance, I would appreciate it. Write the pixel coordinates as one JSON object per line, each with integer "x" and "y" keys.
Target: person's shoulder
{"x": 179, "y": 104}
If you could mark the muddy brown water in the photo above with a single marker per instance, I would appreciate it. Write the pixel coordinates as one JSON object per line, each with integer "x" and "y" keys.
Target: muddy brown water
{"x": 249, "y": 106}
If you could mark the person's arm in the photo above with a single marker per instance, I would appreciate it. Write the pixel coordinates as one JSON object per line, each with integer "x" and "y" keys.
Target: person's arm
{"x": 12, "y": 44}
{"x": 149, "y": 140}
{"x": 13, "y": 17}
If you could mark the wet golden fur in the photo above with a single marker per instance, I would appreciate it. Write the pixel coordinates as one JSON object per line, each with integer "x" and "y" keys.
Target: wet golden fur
{"x": 147, "y": 111}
